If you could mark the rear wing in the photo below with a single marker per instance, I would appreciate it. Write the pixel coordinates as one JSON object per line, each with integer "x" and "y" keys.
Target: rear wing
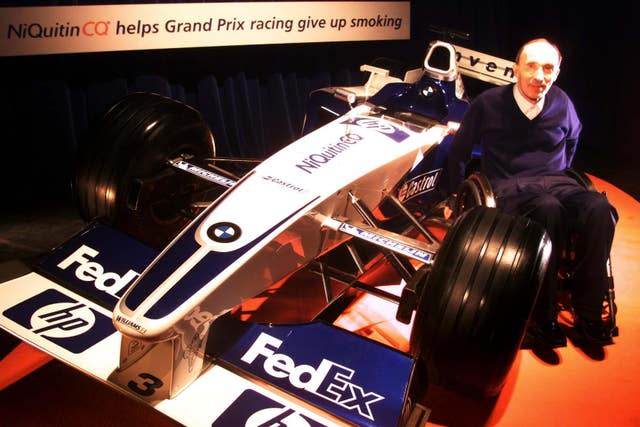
{"x": 484, "y": 67}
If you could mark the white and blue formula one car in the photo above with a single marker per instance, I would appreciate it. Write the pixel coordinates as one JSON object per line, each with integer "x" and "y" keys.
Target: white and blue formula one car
{"x": 145, "y": 298}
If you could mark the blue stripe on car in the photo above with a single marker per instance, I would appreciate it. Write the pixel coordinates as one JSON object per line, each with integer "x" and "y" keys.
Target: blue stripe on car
{"x": 200, "y": 274}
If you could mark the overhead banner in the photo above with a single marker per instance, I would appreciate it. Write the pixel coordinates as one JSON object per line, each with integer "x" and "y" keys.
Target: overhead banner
{"x": 75, "y": 29}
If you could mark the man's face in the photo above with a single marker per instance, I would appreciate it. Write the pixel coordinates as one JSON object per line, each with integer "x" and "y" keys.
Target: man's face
{"x": 536, "y": 70}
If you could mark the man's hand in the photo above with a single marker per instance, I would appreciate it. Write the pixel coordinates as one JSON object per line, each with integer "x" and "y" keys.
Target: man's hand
{"x": 452, "y": 127}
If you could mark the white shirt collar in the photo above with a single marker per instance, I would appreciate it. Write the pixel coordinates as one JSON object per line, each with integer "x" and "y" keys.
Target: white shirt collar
{"x": 528, "y": 109}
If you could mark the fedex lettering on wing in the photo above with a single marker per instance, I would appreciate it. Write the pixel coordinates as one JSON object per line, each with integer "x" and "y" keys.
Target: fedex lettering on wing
{"x": 329, "y": 380}
{"x": 87, "y": 270}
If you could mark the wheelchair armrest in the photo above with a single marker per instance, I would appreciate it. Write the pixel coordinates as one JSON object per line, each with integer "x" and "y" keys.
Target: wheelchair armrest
{"x": 581, "y": 178}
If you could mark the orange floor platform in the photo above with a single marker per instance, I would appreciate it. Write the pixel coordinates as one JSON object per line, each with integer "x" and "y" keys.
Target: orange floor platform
{"x": 571, "y": 386}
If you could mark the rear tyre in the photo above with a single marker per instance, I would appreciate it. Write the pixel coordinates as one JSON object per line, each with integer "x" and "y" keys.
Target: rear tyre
{"x": 123, "y": 178}
{"x": 477, "y": 299}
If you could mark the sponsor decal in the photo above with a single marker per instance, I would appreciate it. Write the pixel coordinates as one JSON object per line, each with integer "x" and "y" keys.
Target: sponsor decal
{"x": 421, "y": 184}
{"x": 252, "y": 409}
{"x": 93, "y": 272}
{"x": 329, "y": 380}
{"x": 200, "y": 321}
{"x": 62, "y": 320}
{"x": 224, "y": 232}
{"x": 484, "y": 67}
{"x": 315, "y": 161}
{"x": 134, "y": 347}
{"x": 356, "y": 379}
{"x": 203, "y": 173}
{"x": 381, "y": 240}
{"x": 283, "y": 183}
{"x": 100, "y": 263}
{"x": 130, "y": 324}
{"x": 379, "y": 125}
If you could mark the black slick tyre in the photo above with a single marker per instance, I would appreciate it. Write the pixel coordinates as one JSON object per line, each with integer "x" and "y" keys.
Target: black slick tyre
{"x": 130, "y": 146}
{"x": 477, "y": 299}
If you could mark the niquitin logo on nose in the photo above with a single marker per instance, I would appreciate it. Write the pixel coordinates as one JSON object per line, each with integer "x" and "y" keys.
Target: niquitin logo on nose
{"x": 316, "y": 160}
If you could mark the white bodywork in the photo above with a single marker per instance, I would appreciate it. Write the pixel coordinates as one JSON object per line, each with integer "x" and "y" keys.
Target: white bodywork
{"x": 295, "y": 189}
{"x": 313, "y": 179}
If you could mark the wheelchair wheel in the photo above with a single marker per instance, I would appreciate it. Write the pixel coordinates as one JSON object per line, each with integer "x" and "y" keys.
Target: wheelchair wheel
{"x": 123, "y": 178}
{"x": 474, "y": 191}
{"x": 477, "y": 299}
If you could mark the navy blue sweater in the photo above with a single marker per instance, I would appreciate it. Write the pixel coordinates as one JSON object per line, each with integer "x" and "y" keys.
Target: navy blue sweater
{"x": 513, "y": 145}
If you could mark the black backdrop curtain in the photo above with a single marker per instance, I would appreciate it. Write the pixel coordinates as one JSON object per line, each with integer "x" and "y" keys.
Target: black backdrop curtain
{"x": 48, "y": 102}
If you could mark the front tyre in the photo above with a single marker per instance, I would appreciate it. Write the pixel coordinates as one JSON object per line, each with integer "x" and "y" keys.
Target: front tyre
{"x": 477, "y": 299}
{"x": 124, "y": 179}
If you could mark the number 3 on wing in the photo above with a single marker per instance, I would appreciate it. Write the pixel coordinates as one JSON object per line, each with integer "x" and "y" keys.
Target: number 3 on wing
{"x": 148, "y": 386}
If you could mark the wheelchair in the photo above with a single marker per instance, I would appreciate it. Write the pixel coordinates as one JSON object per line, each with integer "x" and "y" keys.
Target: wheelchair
{"x": 476, "y": 190}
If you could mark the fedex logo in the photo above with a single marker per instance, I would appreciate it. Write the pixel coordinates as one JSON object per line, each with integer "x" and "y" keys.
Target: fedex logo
{"x": 87, "y": 270}
{"x": 329, "y": 380}
{"x": 61, "y": 319}
{"x": 101, "y": 263}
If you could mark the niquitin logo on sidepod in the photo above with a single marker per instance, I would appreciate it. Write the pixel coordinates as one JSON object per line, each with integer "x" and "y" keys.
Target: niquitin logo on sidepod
{"x": 315, "y": 161}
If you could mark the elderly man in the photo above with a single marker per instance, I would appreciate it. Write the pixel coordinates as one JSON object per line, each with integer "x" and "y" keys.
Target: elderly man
{"x": 529, "y": 133}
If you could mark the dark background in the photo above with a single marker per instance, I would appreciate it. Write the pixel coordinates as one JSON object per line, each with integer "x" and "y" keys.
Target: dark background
{"x": 49, "y": 103}
{"x": 600, "y": 61}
